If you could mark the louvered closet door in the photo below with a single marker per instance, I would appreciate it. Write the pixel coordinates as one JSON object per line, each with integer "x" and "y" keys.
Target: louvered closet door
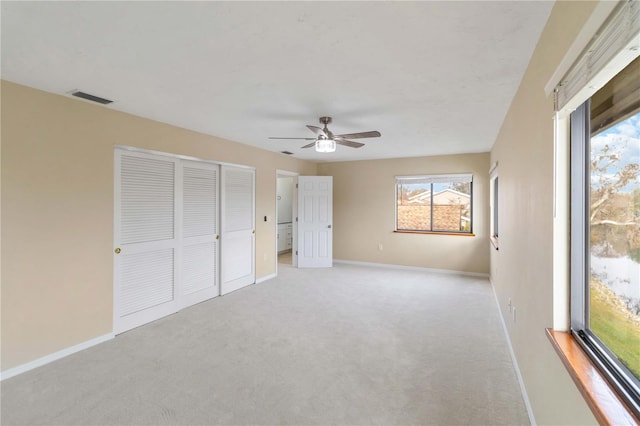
{"x": 238, "y": 228}
{"x": 145, "y": 239}
{"x": 198, "y": 276}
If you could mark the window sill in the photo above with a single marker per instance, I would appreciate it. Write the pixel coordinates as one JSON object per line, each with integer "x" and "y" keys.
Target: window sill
{"x": 494, "y": 242}
{"x": 458, "y": 234}
{"x": 605, "y": 404}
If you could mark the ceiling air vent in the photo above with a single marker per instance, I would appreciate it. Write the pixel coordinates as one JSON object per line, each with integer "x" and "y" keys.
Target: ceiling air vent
{"x": 286, "y": 152}
{"x": 92, "y": 98}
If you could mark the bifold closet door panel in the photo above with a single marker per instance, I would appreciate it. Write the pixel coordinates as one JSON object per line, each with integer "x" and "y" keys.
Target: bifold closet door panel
{"x": 238, "y": 228}
{"x": 145, "y": 238}
{"x": 199, "y": 272}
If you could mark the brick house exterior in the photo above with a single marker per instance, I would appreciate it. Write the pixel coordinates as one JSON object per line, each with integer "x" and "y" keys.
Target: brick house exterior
{"x": 446, "y": 217}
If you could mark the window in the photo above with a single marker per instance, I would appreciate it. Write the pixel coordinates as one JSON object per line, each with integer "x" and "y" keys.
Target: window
{"x": 605, "y": 230}
{"x": 493, "y": 204}
{"x": 434, "y": 203}
{"x": 494, "y": 216}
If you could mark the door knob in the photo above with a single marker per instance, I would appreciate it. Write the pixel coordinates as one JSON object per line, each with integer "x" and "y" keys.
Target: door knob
{"x": 329, "y": 226}
{"x": 217, "y": 237}
{"x": 117, "y": 250}
{"x": 253, "y": 232}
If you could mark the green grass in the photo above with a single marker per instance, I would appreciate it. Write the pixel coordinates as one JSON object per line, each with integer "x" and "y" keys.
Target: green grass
{"x": 611, "y": 322}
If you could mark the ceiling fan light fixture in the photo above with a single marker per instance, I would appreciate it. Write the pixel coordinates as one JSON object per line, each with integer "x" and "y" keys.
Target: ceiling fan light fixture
{"x": 325, "y": 145}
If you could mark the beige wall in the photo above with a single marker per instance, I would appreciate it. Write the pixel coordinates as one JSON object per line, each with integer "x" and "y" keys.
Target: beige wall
{"x": 57, "y": 212}
{"x": 523, "y": 267}
{"x": 364, "y": 214}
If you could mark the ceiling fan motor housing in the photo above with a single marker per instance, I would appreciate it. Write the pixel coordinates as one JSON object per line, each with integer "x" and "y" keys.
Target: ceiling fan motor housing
{"x": 325, "y": 120}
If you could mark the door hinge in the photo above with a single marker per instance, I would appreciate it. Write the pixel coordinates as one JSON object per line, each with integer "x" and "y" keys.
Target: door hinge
{"x": 296, "y": 252}
{"x": 296, "y": 218}
{"x": 296, "y": 186}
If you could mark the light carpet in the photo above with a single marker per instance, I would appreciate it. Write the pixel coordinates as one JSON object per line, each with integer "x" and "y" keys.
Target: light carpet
{"x": 345, "y": 345}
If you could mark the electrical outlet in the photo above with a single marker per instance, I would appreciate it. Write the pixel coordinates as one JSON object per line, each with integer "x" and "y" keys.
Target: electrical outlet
{"x": 380, "y": 246}
{"x": 510, "y": 306}
{"x": 514, "y": 314}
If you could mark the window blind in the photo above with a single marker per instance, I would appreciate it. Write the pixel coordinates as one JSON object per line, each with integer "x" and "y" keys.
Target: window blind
{"x": 620, "y": 32}
{"x": 449, "y": 178}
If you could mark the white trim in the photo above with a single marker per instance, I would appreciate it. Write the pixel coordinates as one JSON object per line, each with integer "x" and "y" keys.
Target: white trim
{"x": 493, "y": 170}
{"x": 54, "y": 356}
{"x": 266, "y": 278}
{"x": 412, "y": 268}
{"x": 523, "y": 389}
{"x": 294, "y": 223}
{"x": 180, "y": 156}
{"x": 561, "y": 231}
{"x": 588, "y": 31}
{"x": 493, "y": 206}
{"x": 285, "y": 173}
{"x": 117, "y": 176}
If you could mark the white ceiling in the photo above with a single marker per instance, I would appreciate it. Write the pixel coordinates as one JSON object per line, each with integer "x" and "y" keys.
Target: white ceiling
{"x": 433, "y": 77}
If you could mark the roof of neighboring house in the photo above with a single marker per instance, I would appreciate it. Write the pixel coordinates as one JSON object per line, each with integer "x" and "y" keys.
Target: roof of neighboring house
{"x": 419, "y": 197}
{"x": 427, "y": 194}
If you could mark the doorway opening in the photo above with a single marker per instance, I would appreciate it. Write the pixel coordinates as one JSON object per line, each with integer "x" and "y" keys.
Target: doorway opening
{"x": 286, "y": 226}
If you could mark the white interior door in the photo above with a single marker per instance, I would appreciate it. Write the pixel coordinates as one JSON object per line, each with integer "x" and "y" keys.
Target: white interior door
{"x": 145, "y": 238}
{"x": 199, "y": 255}
{"x": 238, "y": 228}
{"x": 315, "y": 221}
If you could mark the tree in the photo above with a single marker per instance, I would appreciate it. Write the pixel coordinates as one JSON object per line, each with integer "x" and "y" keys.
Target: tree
{"x": 605, "y": 185}
{"x": 463, "y": 187}
{"x": 614, "y": 212}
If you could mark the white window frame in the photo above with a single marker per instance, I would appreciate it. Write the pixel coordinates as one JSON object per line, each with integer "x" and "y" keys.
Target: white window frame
{"x": 431, "y": 179}
{"x": 612, "y": 47}
{"x": 618, "y": 375}
{"x": 494, "y": 190}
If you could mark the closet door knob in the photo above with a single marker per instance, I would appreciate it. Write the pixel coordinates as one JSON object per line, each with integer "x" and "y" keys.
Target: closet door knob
{"x": 117, "y": 250}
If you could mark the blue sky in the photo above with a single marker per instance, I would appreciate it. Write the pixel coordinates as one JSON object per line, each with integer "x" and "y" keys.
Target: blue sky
{"x": 623, "y": 138}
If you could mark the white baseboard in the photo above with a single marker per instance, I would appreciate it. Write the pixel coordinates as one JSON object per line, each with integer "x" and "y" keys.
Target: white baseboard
{"x": 412, "y": 268}
{"x": 54, "y": 356}
{"x": 265, "y": 278}
{"x": 523, "y": 389}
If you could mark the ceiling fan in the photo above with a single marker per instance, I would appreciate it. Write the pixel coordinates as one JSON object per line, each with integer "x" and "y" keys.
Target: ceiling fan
{"x": 325, "y": 140}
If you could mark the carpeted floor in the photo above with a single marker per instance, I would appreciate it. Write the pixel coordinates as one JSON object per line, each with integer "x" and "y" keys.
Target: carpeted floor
{"x": 346, "y": 345}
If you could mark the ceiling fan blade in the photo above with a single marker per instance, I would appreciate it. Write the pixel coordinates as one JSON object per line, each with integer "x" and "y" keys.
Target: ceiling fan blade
{"x": 372, "y": 134}
{"x": 317, "y": 130}
{"x": 304, "y": 139}
{"x": 309, "y": 145}
{"x": 345, "y": 142}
